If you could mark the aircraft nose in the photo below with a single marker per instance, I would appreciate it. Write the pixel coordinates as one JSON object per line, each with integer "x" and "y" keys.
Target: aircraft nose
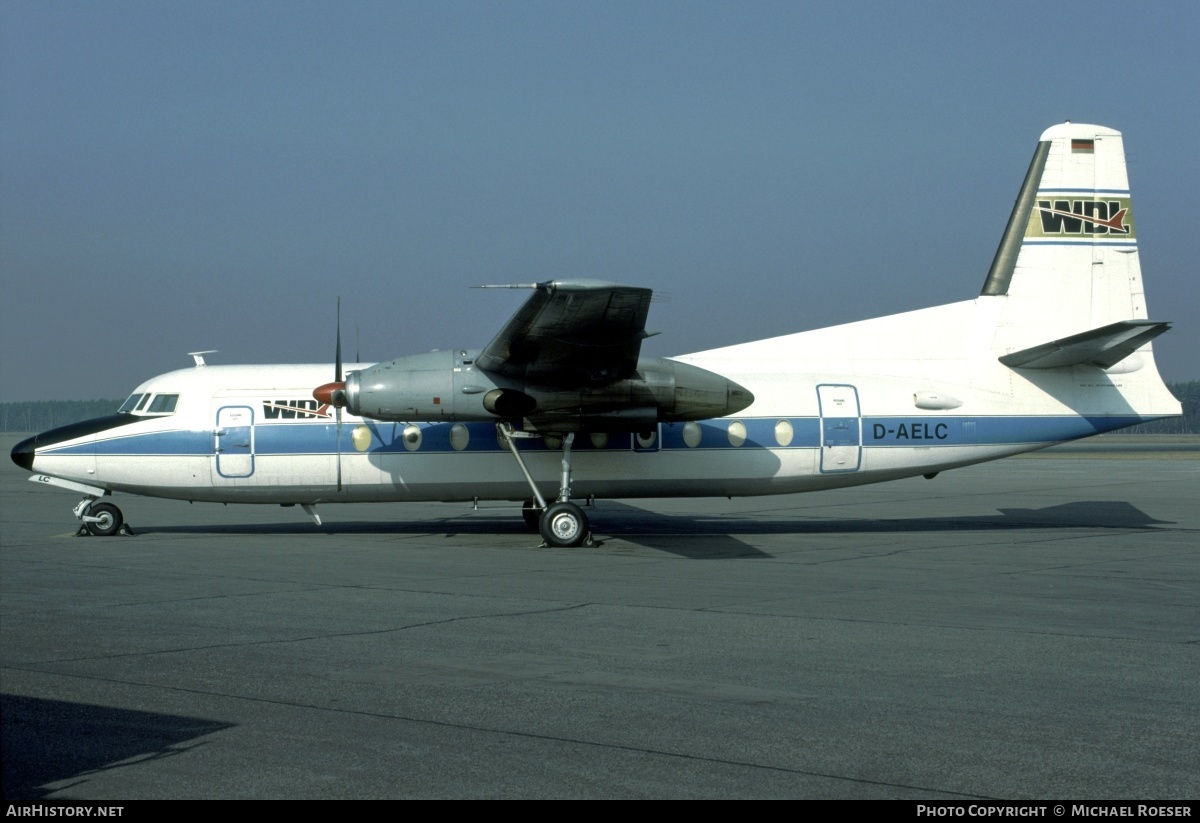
{"x": 22, "y": 453}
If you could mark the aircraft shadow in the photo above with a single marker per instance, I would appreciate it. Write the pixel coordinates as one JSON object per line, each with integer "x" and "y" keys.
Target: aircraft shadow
{"x": 687, "y": 537}
{"x": 678, "y": 533}
{"x": 1099, "y": 514}
{"x": 701, "y": 536}
{"x": 49, "y": 741}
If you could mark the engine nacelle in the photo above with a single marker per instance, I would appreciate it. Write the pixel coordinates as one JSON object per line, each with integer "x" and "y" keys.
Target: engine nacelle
{"x": 437, "y": 385}
{"x": 447, "y": 386}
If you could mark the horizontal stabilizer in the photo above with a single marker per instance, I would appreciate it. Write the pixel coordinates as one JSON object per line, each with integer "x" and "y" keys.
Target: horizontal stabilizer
{"x": 1103, "y": 347}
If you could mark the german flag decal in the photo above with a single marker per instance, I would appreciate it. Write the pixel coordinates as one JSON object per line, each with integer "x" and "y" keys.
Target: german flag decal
{"x": 1083, "y": 146}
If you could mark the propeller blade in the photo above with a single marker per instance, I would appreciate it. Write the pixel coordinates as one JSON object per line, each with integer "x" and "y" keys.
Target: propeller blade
{"x": 337, "y": 369}
{"x": 334, "y": 394}
{"x": 338, "y": 395}
{"x": 339, "y": 448}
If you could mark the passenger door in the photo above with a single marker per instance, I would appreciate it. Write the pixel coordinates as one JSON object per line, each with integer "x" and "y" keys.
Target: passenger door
{"x": 233, "y": 442}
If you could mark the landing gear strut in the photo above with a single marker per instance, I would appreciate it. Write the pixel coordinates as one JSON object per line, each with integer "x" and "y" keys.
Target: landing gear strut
{"x": 562, "y": 523}
{"x": 100, "y": 519}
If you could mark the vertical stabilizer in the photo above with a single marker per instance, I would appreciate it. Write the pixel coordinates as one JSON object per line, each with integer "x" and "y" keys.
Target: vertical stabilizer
{"x": 1068, "y": 261}
{"x": 1005, "y": 262}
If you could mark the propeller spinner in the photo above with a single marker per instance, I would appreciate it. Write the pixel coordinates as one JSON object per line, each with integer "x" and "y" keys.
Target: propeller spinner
{"x": 332, "y": 394}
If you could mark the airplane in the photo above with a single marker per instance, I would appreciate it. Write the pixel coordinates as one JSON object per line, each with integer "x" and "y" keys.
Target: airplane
{"x": 561, "y": 407}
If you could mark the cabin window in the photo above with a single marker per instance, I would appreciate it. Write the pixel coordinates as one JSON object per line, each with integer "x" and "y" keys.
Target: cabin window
{"x": 737, "y": 433}
{"x": 130, "y": 404}
{"x": 163, "y": 404}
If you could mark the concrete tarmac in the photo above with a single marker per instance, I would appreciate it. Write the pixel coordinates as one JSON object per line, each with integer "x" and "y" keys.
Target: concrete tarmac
{"x": 1023, "y": 629}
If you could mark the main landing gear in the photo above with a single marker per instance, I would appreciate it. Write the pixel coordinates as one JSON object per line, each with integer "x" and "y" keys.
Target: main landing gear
{"x": 100, "y": 519}
{"x": 561, "y": 523}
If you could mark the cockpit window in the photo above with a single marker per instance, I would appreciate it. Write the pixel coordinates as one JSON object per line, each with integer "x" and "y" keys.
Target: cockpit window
{"x": 149, "y": 403}
{"x": 163, "y": 404}
{"x": 130, "y": 404}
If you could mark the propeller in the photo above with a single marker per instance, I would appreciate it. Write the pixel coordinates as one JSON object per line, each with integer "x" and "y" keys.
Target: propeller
{"x": 334, "y": 394}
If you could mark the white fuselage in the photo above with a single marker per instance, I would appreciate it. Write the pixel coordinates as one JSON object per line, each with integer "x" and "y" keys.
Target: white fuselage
{"x": 915, "y": 393}
{"x": 897, "y": 396}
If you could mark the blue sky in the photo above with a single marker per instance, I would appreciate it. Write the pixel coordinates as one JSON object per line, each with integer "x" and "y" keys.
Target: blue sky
{"x": 211, "y": 175}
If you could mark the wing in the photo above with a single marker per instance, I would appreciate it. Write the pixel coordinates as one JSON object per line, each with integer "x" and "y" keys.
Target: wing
{"x": 571, "y": 333}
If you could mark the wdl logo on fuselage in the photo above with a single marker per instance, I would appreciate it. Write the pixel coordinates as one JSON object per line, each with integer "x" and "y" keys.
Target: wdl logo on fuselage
{"x": 1063, "y": 217}
{"x": 295, "y": 410}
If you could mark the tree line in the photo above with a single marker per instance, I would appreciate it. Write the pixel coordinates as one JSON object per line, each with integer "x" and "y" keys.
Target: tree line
{"x": 37, "y": 416}
{"x": 1188, "y": 394}
{"x": 46, "y": 414}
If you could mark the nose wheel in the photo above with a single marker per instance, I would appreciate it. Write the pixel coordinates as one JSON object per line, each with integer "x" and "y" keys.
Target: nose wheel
{"x": 100, "y": 519}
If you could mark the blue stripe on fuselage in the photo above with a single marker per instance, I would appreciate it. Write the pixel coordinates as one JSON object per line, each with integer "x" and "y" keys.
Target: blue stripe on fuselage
{"x": 985, "y": 431}
{"x": 891, "y": 431}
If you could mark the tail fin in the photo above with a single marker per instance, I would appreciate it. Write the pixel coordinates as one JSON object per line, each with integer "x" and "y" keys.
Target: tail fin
{"x": 1068, "y": 261}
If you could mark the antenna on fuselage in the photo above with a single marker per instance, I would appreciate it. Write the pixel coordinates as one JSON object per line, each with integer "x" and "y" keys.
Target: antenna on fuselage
{"x": 198, "y": 356}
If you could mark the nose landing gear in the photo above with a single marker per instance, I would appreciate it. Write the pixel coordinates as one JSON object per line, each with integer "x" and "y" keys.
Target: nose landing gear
{"x": 100, "y": 519}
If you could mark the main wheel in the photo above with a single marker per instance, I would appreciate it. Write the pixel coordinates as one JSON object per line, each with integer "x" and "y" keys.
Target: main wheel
{"x": 110, "y": 519}
{"x": 532, "y": 515}
{"x": 563, "y": 525}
